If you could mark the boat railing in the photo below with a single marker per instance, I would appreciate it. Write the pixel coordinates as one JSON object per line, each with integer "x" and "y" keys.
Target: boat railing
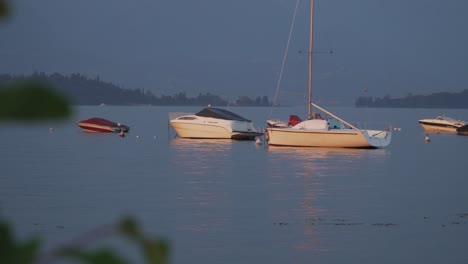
{"x": 174, "y": 115}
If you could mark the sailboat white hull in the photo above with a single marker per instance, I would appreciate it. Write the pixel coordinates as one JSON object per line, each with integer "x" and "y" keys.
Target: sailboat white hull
{"x": 340, "y": 138}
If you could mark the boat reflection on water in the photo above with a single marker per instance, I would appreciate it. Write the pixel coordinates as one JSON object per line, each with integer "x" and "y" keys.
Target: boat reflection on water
{"x": 306, "y": 182}
{"x": 199, "y": 167}
{"x": 310, "y": 156}
{"x": 322, "y": 161}
{"x": 200, "y": 156}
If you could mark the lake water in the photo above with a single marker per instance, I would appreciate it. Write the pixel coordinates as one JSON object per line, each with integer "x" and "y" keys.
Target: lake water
{"x": 222, "y": 201}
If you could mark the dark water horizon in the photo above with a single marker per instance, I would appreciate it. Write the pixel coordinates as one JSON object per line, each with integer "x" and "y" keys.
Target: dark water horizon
{"x": 223, "y": 201}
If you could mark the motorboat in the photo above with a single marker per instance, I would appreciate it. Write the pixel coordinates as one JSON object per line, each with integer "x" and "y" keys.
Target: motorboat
{"x": 317, "y": 131}
{"x": 213, "y": 123}
{"x": 442, "y": 123}
{"x": 101, "y": 125}
{"x": 463, "y": 130}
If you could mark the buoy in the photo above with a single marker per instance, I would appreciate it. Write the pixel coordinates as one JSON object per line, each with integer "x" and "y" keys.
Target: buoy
{"x": 427, "y": 139}
{"x": 137, "y": 136}
{"x": 258, "y": 141}
{"x": 51, "y": 130}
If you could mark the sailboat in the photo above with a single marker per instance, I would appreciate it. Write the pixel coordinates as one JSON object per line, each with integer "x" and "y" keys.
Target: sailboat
{"x": 317, "y": 131}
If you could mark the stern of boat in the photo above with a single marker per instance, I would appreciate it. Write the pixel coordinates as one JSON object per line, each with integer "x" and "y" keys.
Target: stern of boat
{"x": 378, "y": 138}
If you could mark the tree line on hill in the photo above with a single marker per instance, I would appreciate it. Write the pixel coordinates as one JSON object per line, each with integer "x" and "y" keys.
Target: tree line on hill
{"x": 434, "y": 100}
{"x": 82, "y": 90}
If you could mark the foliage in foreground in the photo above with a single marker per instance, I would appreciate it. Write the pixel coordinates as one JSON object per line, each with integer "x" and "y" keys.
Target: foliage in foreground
{"x": 155, "y": 251}
{"x": 24, "y": 101}
{"x": 3, "y": 8}
{"x": 27, "y": 101}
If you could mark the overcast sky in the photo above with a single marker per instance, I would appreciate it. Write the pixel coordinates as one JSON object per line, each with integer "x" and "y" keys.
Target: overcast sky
{"x": 233, "y": 48}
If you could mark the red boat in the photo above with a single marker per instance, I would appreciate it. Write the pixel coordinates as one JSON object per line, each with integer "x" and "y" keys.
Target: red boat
{"x": 101, "y": 125}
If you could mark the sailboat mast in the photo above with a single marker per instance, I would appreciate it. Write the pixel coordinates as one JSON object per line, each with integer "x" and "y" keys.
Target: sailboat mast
{"x": 311, "y": 31}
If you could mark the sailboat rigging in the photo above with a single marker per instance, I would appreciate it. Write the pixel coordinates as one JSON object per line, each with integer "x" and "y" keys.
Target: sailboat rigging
{"x": 322, "y": 132}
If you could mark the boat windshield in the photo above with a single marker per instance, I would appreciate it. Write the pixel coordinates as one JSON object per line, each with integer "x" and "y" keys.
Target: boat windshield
{"x": 446, "y": 118}
{"x": 220, "y": 114}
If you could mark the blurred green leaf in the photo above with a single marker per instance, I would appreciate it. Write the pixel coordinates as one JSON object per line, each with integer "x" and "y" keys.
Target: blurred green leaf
{"x": 27, "y": 101}
{"x": 156, "y": 252}
{"x": 3, "y": 8}
{"x": 28, "y": 251}
{"x": 6, "y": 241}
{"x": 12, "y": 251}
{"x": 129, "y": 227}
{"x": 101, "y": 256}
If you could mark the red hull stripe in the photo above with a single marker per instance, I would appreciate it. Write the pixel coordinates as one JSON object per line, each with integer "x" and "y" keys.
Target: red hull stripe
{"x": 92, "y": 128}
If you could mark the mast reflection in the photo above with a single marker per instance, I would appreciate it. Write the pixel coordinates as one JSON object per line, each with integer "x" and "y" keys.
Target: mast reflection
{"x": 301, "y": 182}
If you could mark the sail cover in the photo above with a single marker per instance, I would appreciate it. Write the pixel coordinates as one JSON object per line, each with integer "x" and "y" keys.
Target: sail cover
{"x": 220, "y": 114}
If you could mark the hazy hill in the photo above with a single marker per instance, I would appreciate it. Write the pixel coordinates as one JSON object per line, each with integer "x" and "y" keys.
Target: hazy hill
{"x": 434, "y": 100}
{"x": 92, "y": 91}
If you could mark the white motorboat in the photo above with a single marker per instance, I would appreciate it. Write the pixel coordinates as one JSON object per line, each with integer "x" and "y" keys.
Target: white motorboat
{"x": 322, "y": 132}
{"x": 441, "y": 123}
{"x": 214, "y": 123}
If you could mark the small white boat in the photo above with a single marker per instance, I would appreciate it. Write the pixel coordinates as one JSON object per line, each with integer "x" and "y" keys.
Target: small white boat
{"x": 442, "y": 123}
{"x": 214, "y": 123}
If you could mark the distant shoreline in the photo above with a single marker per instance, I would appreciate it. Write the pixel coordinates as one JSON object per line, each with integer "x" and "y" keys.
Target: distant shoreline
{"x": 435, "y": 100}
{"x": 82, "y": 90}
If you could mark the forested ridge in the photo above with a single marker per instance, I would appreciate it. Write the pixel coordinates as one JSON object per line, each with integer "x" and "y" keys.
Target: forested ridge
{"x": 434, "y": 100}
{"x": 82, "y": 90}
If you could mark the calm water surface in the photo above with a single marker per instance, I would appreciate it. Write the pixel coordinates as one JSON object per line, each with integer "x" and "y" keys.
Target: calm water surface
{"x": 222, "y": 201}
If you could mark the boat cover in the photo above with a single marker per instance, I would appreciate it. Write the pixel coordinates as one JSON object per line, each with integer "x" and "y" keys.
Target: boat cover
{"x": 220, "y": 114}
{"x": 319, "y": 124}
{"x": 99, "y": 121}
{"x": 97, "y": 124}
